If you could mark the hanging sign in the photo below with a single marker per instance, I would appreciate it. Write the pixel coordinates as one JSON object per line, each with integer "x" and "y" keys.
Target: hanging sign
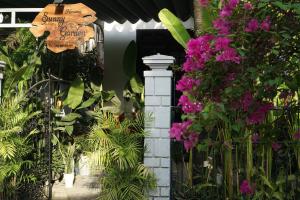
{"x": 67, "y": 25}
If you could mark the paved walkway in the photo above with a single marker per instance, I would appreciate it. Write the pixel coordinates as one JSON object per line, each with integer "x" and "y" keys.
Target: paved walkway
{"x": 85, "y": 188}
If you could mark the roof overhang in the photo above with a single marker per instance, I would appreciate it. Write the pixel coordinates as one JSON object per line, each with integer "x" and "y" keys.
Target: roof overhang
{"x": 117, "y": 10}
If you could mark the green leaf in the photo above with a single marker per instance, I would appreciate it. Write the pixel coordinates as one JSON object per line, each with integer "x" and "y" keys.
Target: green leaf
{"x": 88, "y": 102}
{"x": 75, "y": 93}
{"x": 129, "y": 59}
{"x": 282, "y": 5}
{"x": 207, "y": 18}
{"x": 59, "y": 123}
{"x": 71, "y": 117}
{"x": 69, "y": 129}
{"x": 13, "y": 80}
{"x": 277, "y": 195}
{"x": 267, "y": 182}
{"x": 136, "y": 84}
{"x": 174, "y": 25}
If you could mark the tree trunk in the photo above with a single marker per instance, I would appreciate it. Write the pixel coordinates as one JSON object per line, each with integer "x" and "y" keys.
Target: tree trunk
{"x": 197, "y": 17}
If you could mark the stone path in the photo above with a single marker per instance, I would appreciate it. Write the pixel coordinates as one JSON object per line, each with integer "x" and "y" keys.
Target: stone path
{"x": 85, "y": 188}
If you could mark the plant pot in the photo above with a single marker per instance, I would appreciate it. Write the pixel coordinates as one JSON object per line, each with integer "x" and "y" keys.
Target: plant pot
{"x": 84, "y": 168}
{"x": 69, "y": 180}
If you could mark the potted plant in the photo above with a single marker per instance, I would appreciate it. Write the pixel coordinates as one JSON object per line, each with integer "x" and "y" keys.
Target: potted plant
{"x": 67, "y": 155}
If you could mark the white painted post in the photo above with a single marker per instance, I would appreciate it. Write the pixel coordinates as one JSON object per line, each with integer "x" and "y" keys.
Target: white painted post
{"x": 2, "y": 66}
{"x": 158, "y": 103}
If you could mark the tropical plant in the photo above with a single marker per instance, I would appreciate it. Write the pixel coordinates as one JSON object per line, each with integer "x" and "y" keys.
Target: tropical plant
{"x": 240, "y": 95}
{"x": 134, "y": 88}
{"x": 67, "y": 155}
{"x": 14, "y": 142}
{"x": 118, "y": 151}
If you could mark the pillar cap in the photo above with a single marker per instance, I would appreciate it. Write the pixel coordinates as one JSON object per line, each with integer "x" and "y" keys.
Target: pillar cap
{"x": 158, "y": 61}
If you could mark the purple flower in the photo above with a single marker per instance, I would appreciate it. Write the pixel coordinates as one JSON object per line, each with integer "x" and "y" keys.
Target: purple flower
{"x": 255, "y": 138}
{"x": 228, "y": 54}
{"x": 276, "y": 146}
{"x": 248, "y": 6}
{"x": 188, "y": 106}
{"x": 266, "y": 24}
{"x": 247, "y": 100}
{"x": 252, "y": 26}
{"x": 246, "y": 189}
{"x": 222, "y": 26}
{"x": 187, "y": 84}
{"x": 222, "y": 43}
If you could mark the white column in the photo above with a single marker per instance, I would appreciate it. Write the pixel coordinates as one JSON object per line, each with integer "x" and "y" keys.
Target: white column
{"x": 2, "y": 65}
{"x": 158, "y": 103}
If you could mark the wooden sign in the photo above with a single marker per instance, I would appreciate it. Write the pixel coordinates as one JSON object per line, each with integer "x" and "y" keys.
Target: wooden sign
{"x": 67, "y": 25}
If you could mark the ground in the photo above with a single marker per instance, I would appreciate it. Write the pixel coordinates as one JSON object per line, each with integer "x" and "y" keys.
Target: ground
{"x": 85, "y": 188}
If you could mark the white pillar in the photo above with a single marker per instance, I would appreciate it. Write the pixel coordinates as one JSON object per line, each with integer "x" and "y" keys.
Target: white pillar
{"x": 2, "y": 65}
{"x": 158, "y": 102}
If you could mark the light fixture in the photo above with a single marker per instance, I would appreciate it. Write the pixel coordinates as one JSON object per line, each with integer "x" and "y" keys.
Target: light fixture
{"x": 1, "y": 18}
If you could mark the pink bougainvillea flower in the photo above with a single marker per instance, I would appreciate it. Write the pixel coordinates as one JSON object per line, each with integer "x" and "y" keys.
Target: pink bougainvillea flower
{"x": 233, "y": 3}
{"x": 255, "y": 138}
{"x": 222, "y": 26}
{"x": 248, "y": 6}
{"x": 199, "y": 48}
{"x": 259, "y": 115}
{"x": 266, "y": 24}
{"x": 180, "y": 132}
{"x": 190, "y": 141}
{"x": 246, "y": 189}
{"x": 247, "y": 100}
{"x": 198, "y": 52}
{"x": 228, "y": 54}
{"x": 222, "y": 43}
{"x": 179, "y": 129}
{"x": 188, "y": 106}
{"x": 252, "y": 25}
{"x": 276, "y": 146}
{"x": 226, "y": 11}
{"x": 204, "y": 3}
{"x": 176, "y": 131}
{"x": 187, "y": 84}
{"x": 230, "y": 77}
{"x": 192, "y": 64}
